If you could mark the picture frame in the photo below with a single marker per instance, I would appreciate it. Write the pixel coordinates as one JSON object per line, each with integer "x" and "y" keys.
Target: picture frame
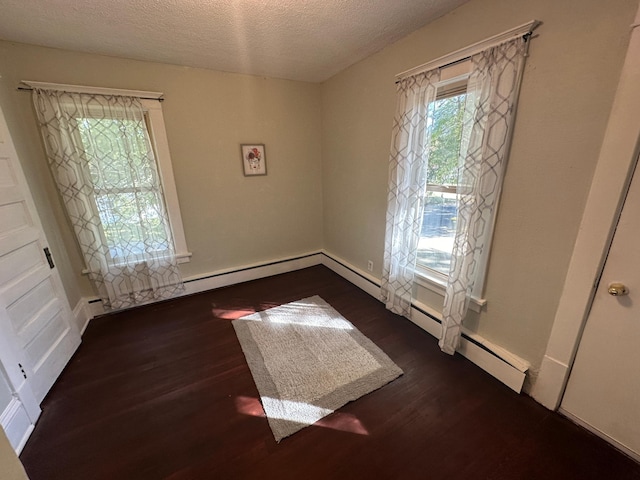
{"x": 254, "y": 159}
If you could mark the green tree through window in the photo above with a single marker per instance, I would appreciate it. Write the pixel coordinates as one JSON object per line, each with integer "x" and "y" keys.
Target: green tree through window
{"x": 440, "y": 201}
{"x": 446, "y": 133}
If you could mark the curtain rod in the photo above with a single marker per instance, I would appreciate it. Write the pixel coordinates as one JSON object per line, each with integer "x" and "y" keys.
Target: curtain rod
{"x": 28, "y": 85}
{"x": 525, "y": 30}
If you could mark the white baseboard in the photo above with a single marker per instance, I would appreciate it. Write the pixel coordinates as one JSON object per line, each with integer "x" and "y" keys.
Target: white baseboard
{"x": 88, "y": 308}
{"x": 223, "y": 278}
{"x": 495, "y": 360}
{"x": 82, "y": 314}
{"x": 359, "y": 278}
{"x": 16, "y": 424}
{"x": 471, "y": 347}
{"x": 549, "y": 386}
{"x": 493, "y": 365}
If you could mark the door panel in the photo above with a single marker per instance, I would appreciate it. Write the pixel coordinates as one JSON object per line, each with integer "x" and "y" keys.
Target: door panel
{"x": 18, "y": 262}
{"x": 604, "y": 387}
{"x": 12, "y": 217}
{"x": 42, "y": 296}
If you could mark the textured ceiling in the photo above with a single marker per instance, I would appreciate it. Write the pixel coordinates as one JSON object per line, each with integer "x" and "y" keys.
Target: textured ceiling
{"x": 296, "y": 39}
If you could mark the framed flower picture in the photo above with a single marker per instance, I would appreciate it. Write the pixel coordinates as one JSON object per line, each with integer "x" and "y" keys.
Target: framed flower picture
{"x": 254, "y": 160}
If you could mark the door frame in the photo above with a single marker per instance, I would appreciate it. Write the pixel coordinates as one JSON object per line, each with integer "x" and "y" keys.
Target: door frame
{"x": 612, "y": 177}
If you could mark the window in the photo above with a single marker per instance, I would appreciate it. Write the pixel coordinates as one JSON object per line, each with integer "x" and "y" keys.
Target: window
{"x": 445, "y": 117}
{"x": 439, "y": 216}
{"x": 493, "y": 73}
{"x": 128, "y": 194}
{"x": 108, "y": 154}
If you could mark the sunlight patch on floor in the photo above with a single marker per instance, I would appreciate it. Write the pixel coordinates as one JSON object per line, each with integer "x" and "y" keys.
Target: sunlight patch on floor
{"x": 231, "y": 314}
{"x": 304, "y": 413}
{"x": 297, "y": 313}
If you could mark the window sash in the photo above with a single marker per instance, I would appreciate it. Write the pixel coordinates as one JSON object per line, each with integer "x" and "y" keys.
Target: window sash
{"x": 432, "y": 187}
{"x": 117, "y": 191}
{"x": 98, "y": 191}
{"x": 452, "y": 88}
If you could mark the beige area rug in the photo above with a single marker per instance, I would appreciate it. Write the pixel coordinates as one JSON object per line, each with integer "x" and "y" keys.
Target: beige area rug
{"x": 308, "y": 361}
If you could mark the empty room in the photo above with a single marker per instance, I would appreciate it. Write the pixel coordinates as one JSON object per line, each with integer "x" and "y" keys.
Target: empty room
{"x": 319, "y": 239}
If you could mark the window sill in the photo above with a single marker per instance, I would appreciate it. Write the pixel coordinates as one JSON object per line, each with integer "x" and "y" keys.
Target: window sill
{"x": 182, "y": 258}
{"x": 438, "y": 286}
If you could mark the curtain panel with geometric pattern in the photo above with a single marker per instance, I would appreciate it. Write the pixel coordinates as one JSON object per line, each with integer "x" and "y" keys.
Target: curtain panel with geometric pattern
{"x": 409, "y": 158}
{"x": 103, "y": 163}
{"x": 492, "y": 90}
{"x": 492, "y": 93}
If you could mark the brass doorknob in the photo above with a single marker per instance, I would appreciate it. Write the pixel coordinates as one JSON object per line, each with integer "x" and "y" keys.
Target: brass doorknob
{"x": 618, "y": 289}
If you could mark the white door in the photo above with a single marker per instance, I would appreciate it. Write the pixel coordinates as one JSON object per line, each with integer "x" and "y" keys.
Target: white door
{"x": 38, "y": 332}
{"x": 603, "y": 392}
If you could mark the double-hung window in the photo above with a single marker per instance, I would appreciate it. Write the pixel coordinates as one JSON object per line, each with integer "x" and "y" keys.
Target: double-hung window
{"x": 443, "y": 137}
{"x": 126, "y": 190}
{"x": 109, "y": 155}
{"x": 125, "y": 166}
{"x": 445, "y": 120}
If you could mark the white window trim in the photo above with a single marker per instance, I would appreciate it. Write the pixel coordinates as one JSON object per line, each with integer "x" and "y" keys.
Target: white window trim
{"x": 158, "y": 134}
{"x": 153, "y": 109}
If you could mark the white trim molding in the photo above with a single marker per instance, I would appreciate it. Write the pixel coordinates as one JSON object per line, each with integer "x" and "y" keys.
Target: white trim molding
{"x": 82, "y": 314}
{"x": 489, "y": 357}
{"x": 158, "y": 134}
{"x": 618, "y": 157}
{"x": 493, "y": 359}
{"x": 361, "y": 279}
{"x": 232, "y": 276}
{"x": 221, "y": 278}
{"x": 470, "y": 50}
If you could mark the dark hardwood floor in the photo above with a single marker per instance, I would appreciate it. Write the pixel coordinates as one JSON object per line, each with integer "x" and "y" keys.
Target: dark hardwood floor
{"x": 164, "y": 392}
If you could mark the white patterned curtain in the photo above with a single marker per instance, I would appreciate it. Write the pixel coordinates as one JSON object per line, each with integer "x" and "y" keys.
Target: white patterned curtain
{"x": 407, "y": 182}
{"x": 100, "y": 154}
{"x": 491, "y": 99}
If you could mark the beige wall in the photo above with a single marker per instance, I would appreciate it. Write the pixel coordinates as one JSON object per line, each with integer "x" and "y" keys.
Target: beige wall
{"x": 10, "y": 466}
{"x": 569, "y": 82}
{"x": 229, "y": 220}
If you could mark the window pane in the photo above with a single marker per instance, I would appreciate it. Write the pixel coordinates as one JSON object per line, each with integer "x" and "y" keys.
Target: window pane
{"x": 132, "y": 223}
{"x": 126, "y": 185}
{"x": 440, "y": 209}
{"x": 117, "y": 152}
{"x": 438, "y": 231}
{"x": 446, "y": 133}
